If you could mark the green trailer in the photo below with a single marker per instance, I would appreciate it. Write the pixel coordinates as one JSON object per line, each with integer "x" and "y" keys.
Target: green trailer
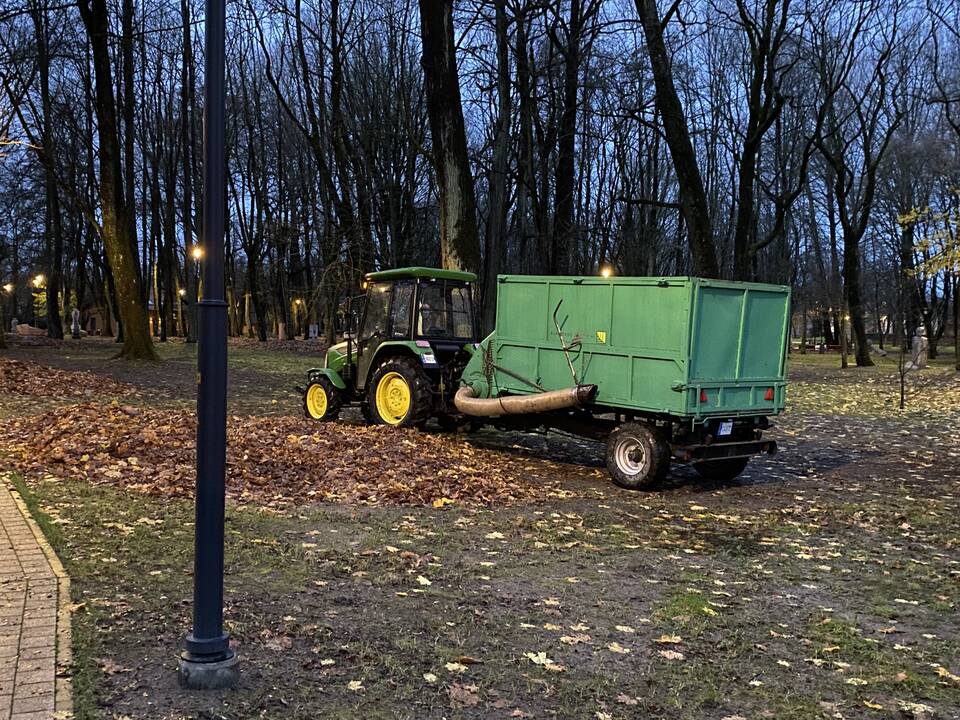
{"x": 661, "y": 369}
{"x": 664, "y": 369}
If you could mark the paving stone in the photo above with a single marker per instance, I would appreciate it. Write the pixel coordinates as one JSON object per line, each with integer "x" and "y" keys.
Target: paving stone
{"x": 29, "y": 606}
{"x": 37, "y": 703}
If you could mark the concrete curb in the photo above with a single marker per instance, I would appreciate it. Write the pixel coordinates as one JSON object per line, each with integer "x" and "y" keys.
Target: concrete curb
{"x": 63, "y": 685}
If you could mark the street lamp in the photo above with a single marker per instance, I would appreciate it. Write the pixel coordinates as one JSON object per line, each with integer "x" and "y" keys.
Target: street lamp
{"x": 207, "y": 661}
{"x": 38, "y": 281}
{"x": 606, "y": 271}
{"x": 197, "y": 252}
{"x": 8, "y": 288}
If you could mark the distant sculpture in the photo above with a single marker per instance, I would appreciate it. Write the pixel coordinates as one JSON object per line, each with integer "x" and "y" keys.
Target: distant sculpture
{"x": 75, "y": 325}
{"x": 921, "y": 349}
{"x": 13, "y": 325}
{"x": 874, "y": 350}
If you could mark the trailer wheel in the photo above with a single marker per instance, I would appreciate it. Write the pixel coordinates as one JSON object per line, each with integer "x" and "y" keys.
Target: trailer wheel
{"x": 721, "y": 470}
{"x": 637, "y": 456}
{"x": 322, "y": 400}
{"x": 399, "y": 394}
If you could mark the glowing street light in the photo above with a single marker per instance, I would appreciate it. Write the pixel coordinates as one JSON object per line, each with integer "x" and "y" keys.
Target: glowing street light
{"x": 181, "y": 292}
{"x": 606, "y": 271}
{"x": 38, "y": 281}
{"x": 196, "y": 252}
{"x": 8, "y": 288}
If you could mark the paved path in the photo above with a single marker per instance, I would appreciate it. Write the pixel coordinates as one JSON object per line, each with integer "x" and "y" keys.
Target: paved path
{"x": 34, "y": 619}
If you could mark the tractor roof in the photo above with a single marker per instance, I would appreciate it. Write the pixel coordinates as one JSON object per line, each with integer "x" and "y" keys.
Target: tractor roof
{"x": 420, "y": 272}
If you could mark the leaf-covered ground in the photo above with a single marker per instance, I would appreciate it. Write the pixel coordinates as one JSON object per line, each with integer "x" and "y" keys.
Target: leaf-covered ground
{"x": 822, "y": 584}
{"x": 271, "y": 461}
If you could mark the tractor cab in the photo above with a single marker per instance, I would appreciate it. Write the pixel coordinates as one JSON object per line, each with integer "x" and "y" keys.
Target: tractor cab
{"x": 404, "y": 349}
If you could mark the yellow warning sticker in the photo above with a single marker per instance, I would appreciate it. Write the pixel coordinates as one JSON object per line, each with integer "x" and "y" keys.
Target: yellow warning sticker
{"x": 602, "y": 337}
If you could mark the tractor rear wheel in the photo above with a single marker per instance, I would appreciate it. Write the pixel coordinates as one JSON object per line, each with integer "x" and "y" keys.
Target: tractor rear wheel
{"x": 399, "y": 394}
{"x": 322, "y": 400}
{"x": 721, "y": 470}
{"x": 638, "y": 456}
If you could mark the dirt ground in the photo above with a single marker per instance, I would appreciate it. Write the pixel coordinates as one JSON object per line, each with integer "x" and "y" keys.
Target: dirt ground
{"x": 823, "y": 583}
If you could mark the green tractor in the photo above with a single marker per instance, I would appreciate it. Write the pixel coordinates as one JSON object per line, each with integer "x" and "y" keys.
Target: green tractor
{"x": 401, "y": 363}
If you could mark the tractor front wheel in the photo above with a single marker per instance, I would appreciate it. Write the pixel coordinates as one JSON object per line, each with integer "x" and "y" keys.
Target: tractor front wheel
{"x": 322, "y": 400}
{"x": 399, "y": 394}
{"x": 638, "y": 456}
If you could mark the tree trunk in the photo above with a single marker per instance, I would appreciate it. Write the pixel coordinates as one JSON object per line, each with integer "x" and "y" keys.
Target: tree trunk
{"x": 53, "y": 228}
{"x": 693, "y": 198}
{"x": 497, "y": 221}
{"x": 115, "y": 218}
{"x": 851, "y": 282}
{"x": 128, "y": 108}
{"x": 186, "y": 154}
{"x": 566, "y": 145}
{"x": 459, "y": 243}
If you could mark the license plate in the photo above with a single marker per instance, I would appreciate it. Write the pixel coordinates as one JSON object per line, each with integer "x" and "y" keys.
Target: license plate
{"x": 725, "y": 428}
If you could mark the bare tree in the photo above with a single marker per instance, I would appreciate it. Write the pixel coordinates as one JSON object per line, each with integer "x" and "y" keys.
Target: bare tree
{"x": 459, "y": 242}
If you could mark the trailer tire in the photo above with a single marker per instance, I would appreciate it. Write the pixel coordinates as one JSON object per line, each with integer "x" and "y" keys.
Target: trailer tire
{"x": 721, "y": 470}
{"x": 322, "y": 400}
{"x": 638, "y": 456}
{"x": 399, "y": 394}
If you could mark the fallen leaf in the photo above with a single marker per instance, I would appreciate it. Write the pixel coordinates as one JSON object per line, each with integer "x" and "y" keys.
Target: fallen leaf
{"x": 465, "y": 695}
{"x": 671, "y": 654}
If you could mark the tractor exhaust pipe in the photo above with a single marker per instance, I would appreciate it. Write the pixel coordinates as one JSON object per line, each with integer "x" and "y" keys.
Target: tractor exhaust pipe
{"x": 468, "y": 403}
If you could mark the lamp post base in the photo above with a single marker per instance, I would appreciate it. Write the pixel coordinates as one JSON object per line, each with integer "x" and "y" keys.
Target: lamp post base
{"x": 199, "y": 675}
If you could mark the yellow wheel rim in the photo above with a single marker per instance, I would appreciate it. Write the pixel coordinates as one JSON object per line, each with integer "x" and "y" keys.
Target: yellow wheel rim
{"x": 393, "y": 398}
{"x": 316, "y": 402}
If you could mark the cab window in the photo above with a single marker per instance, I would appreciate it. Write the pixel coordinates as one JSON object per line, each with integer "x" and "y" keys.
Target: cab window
{"x": 445, "y": 311}
{"x": 375, "y": 317}
{"x": 400, "y": 310}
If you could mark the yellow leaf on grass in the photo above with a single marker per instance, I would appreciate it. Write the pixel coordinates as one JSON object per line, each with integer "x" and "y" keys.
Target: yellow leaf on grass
{"x": 668, "y": 639}
{"x": 618, "y": 648}
{"x": 538, "y": 658}
{"x": 944, "y": 673}
{"x": 441, "y": 502}
{"x": 873, "y": 705}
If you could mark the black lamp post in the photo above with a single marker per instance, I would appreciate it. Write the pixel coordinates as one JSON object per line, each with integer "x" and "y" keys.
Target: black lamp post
{"x": 208, "y": 661}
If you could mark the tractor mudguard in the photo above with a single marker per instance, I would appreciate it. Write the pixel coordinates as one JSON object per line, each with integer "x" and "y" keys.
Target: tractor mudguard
{"x": 330, "y": 374}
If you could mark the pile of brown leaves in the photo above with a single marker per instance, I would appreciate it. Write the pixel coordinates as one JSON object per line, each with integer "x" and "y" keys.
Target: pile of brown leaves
{"x": 32, "y": 380}
{"x": 270, "y": 460}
